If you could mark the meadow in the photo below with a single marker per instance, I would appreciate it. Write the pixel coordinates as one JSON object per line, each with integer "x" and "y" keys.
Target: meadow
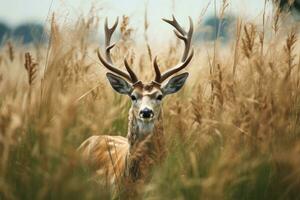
{"x": 233, "y": 132}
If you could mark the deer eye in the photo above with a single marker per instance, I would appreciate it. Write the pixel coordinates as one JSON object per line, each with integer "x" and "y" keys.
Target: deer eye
{"x": 133, "y": 98}
{"x": 159, "y": 97}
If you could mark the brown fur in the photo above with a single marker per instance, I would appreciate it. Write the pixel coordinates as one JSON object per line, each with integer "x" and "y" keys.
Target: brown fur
{"x": 125, "y": 162}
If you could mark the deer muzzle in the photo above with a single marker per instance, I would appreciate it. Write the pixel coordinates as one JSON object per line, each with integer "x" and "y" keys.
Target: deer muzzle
{"x": 146, "y": 113}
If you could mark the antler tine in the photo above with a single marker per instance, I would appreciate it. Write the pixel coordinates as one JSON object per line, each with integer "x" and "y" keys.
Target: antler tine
{"x": 134, "y": 78}
{"x": 175, "y": 24}
{"x": 157, "y": 71}
{"x": 112, "y": 68}
{"x": 188, "y": 40}
{"x": 108, "y": 34}
{"x": 186, "y": 57}
{"x": 177, "y": 68}
{"x": 108, "y": 61}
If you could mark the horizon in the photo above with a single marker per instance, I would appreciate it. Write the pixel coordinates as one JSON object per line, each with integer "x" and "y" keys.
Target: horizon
{"x": 33, "y": 11}
{"x": 67, "y": 13}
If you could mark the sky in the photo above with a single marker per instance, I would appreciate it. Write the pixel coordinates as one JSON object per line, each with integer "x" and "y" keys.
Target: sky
{"x": 15, "y": 12}
{"x": 18, "y": 11}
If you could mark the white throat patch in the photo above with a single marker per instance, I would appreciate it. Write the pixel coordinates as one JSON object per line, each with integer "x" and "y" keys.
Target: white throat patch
{"x": 144, "y": 127}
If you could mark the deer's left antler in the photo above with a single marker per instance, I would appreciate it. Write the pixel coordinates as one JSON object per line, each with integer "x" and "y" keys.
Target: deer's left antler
{"x": 187, "y": 55}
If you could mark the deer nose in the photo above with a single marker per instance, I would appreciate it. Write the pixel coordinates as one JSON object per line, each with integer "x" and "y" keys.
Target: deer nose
{"x": 146, "y": 113}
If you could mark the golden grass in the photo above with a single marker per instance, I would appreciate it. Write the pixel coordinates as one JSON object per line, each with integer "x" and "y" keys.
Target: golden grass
{"x": 232, "y": 133}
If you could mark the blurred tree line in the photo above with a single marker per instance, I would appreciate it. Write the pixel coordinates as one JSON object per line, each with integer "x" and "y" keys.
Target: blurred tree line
{"x": 212, "y": 27}
{"x": 25, "y": 33}
{"x": 33, "y": 32}
{"x": 289, "y": 5}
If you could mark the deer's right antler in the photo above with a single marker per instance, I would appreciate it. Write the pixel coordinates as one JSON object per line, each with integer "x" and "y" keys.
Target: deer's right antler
{"x": 186, "y": 57}
{"x": 131, "y": 76}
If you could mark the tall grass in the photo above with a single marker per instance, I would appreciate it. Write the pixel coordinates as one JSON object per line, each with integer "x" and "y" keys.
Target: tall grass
{"x": 232, "y": 133}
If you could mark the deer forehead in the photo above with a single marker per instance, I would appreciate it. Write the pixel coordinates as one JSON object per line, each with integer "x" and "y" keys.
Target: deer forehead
{"x": 147, "y": 90}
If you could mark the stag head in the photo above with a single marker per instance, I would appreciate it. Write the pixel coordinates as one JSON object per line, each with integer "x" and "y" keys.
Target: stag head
{"x": 147, "y": 97}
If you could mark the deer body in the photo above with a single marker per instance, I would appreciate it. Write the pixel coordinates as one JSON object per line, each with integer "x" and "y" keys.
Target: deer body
{"x": 118, "y": 160}
{"x": 127, "y": 161}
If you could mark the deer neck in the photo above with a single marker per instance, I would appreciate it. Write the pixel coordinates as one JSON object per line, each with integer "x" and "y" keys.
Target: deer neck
{"x": 146, "y": 145}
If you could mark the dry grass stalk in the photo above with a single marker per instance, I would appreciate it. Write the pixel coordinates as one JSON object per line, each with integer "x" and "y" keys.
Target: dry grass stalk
{"x": 198, "y": 107}
{"x": 248, "y": 41}
{"x": 146, "y": 26}
{"x": 126, "y": 31}
{"x": 31, "y": 68}
{"x": 220, "y": 16}
{"x": 218, "y": 87}
{"x": 262, "y": 34}
{"x": 289, "y": 48}
{"x": 239, "y": 25}
{"x": 276, "y": 18}
{"x": 10, "y": 51}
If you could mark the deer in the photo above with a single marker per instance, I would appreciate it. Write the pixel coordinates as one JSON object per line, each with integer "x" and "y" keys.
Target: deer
{"x": 126, "y": 161}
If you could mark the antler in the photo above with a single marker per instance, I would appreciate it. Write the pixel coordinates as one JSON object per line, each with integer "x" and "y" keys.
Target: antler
{"x": 108, "y": 61}
{"x": 186, "y": 57}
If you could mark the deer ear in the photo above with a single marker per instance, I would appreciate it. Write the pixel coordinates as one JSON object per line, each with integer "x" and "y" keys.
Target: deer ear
{"x": 175, "y": 84}
{"x": 119, "y": 84}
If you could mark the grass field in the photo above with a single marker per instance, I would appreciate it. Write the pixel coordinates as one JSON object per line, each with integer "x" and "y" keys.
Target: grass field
{"x": 233, "y": 132}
